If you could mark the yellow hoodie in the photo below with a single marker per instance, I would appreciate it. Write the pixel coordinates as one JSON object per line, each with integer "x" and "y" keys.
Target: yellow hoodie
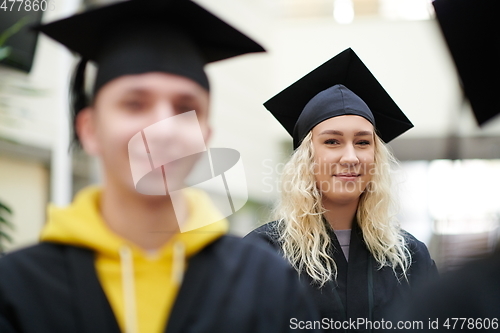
{"x": 140, "y": 287}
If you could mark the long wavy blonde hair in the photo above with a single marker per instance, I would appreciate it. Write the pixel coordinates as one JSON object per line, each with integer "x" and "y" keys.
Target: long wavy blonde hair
{"x": 302, "y": 233}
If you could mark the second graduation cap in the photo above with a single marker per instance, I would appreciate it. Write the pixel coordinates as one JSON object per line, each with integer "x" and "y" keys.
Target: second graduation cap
{"x": 472, "y": 32}
{"x": 341, "y": 86}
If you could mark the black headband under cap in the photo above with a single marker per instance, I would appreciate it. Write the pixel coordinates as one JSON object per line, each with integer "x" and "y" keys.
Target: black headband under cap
{"x": 341, "y": 86}
{"x": 332, "y": 102}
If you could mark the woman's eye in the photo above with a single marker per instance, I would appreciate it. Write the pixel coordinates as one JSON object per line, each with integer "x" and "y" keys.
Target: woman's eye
{"x": 331, "y": 142}
{"x": 364, "y": 143}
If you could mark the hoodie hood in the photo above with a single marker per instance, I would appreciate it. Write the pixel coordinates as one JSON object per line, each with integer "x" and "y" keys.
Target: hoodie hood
{"x": 81, "y": 224}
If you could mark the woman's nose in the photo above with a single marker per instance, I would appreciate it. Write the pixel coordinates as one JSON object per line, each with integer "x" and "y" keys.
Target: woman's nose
{"x": 349, "y": 156}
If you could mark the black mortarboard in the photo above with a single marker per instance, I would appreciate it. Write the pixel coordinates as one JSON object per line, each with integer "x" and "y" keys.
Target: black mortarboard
{"x": 140, "y": 36}
{"x": 472, "y": 33}
{"x": 342, "y": 85}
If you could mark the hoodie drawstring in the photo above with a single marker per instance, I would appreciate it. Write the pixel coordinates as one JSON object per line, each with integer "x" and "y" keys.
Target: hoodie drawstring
{"x": 178, "y": 262}
{"x": 128, "y": 287}
{"x": 128, "y": 281}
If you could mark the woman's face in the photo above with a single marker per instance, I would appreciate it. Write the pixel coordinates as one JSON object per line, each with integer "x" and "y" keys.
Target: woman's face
{"x": 344, "y": 157}
{"x": 130, "y": 104}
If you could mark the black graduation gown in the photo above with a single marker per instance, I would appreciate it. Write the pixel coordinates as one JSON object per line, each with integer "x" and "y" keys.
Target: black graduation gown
{"x": 471, "y": 293}
{"x": 361, "y": 290}
{"x": 230, "y": 286}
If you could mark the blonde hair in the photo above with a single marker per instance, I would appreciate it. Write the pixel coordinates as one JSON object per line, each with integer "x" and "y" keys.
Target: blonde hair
{"x": 302, "y": 233}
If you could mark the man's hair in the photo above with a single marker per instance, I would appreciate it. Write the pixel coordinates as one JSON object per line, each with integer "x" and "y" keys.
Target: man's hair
{"x": 78, "y": 100}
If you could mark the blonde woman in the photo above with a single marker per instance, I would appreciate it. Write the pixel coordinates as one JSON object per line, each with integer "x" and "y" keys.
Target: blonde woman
{"x": 335, "y": 222}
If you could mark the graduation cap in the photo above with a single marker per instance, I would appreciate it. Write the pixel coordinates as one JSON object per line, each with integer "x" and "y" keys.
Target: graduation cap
{"x": 140, "y": 36}
{"x": 341, "y": 86}
{"x": 472, "y": 32}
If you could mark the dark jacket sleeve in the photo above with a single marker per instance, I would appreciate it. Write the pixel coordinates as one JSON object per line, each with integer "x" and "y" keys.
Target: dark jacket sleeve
{"x": 32, "y": 285}
{"x": 234, "y": 285}
{"x": 465, "y": 300}
{"x": 5, "y": 326}
{"x": 423, "y": 269}
{"x": 303, "y": 311}
{"x": 265, "y": 234}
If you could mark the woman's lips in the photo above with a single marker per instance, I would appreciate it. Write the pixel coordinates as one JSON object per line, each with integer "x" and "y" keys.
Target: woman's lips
{"x": 347, "y": 176}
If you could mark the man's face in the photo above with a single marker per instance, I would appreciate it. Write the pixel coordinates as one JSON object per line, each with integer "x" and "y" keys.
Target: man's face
{"x": 129, "y": 104}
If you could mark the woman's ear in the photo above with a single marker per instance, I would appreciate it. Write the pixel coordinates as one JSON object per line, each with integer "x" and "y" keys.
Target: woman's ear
{"x": 85, "y": 127}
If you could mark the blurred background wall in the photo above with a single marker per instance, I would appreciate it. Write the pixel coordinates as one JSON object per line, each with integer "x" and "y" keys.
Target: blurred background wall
{"x": 449, "y": 172}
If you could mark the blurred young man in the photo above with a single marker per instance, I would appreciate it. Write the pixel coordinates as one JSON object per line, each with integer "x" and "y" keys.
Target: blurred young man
{"x": 119, "y": 258}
